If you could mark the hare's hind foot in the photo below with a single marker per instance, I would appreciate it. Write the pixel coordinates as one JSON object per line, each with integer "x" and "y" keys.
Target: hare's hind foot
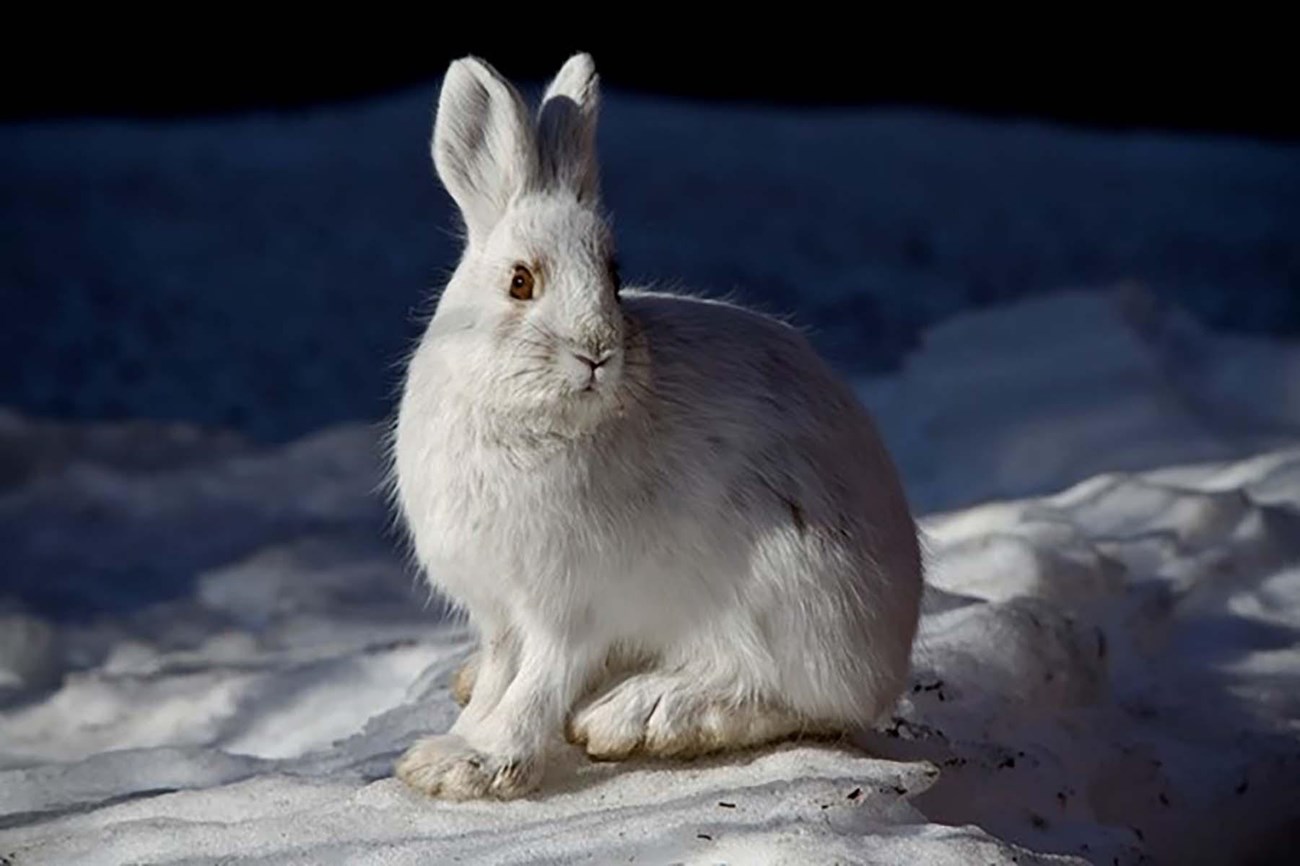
{"x": 673, "y": 715}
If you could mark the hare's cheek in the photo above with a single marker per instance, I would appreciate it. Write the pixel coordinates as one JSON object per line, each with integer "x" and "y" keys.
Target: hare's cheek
{"x": 610, "y": 373}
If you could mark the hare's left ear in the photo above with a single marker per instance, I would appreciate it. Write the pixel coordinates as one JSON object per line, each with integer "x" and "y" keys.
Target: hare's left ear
{"x": 482, "y": 144}
{"x": 567, "y": 129}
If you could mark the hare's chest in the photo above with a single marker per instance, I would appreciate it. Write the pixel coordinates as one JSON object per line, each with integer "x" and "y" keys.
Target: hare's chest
{"x": 561, "y": 536}
{"x": 475, "y": 510}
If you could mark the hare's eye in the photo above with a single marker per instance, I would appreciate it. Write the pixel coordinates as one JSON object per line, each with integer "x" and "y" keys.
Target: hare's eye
{"x": 521, "y": 284}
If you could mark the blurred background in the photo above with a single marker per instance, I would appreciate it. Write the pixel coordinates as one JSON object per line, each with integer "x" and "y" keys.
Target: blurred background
{"x": 240, "y": 227}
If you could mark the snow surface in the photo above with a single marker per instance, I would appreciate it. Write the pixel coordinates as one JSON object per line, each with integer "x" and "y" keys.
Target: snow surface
{"x": 211, "y": 652}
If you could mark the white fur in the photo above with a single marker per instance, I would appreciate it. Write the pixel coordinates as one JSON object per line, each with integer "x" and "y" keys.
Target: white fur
{"x": 701, "y": 545}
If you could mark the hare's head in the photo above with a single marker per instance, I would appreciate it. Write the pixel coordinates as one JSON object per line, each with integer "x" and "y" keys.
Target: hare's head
{"x": 533, "y": 306}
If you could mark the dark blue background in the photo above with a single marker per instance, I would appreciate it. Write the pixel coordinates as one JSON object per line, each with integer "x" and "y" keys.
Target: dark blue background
{"x": 252, "y": 243}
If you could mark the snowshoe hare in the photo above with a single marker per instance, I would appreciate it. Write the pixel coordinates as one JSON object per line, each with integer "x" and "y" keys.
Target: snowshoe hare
{"x": 674, "y": 530}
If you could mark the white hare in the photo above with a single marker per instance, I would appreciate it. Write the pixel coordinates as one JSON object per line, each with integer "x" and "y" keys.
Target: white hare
{"x": 674, "y": 530}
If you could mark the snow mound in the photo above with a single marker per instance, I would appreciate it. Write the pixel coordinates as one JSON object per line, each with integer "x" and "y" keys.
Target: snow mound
{"x": 1034, "y": 396}
{"x": 1110, "y": 672}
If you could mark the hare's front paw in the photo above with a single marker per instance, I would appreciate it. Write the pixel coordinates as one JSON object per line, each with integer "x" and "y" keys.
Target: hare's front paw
{"x": 448, "y": 767}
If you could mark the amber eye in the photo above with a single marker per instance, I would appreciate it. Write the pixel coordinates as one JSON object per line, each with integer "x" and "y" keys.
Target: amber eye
{"x": 521, "y": 284}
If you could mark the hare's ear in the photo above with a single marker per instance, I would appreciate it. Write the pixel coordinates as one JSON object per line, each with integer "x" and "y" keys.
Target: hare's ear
{"x": 482, "y": 144}
{"x": 567, "y": 129}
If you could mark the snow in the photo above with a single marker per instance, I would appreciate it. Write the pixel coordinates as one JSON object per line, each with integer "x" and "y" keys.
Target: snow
{"x": 212, "y": 649}
{"x": 1025, "y": 398}
{"x": 1107, "y": 672}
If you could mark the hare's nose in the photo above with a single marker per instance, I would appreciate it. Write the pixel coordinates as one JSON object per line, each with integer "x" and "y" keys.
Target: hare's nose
{"x": 595, "y": 363}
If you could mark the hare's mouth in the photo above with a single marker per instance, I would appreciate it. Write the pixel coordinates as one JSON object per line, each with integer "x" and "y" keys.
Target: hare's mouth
{"x": 593, "y": 390}
{"x": 597, "y": 384}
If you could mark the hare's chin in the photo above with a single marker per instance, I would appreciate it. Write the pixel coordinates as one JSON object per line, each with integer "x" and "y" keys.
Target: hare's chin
{"x": 589, "y": 406}
{"x": 596, "y": 401}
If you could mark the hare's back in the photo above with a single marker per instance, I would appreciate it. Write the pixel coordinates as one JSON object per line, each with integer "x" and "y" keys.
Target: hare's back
{"x": 748, "y": 402}
{"x": 713, "y": 357}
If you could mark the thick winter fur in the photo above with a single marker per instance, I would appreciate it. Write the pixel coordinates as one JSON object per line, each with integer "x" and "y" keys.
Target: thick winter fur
{"x": 697, "y": 544}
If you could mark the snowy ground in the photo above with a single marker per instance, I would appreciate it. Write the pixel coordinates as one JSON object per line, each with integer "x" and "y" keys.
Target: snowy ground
{"x": 211, "y": 653}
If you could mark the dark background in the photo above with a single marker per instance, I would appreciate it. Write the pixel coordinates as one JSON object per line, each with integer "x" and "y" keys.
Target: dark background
{"x": 124, "y": 297}
{"x": 1237, "y": 86}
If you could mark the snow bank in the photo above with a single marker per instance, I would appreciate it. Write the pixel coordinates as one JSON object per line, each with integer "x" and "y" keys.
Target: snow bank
{"x": 1030, "y": 397}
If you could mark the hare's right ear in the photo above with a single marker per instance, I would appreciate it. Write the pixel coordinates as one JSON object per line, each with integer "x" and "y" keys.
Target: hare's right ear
{"x": 566, "y": 129}
{"x": 482, "y": 144}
